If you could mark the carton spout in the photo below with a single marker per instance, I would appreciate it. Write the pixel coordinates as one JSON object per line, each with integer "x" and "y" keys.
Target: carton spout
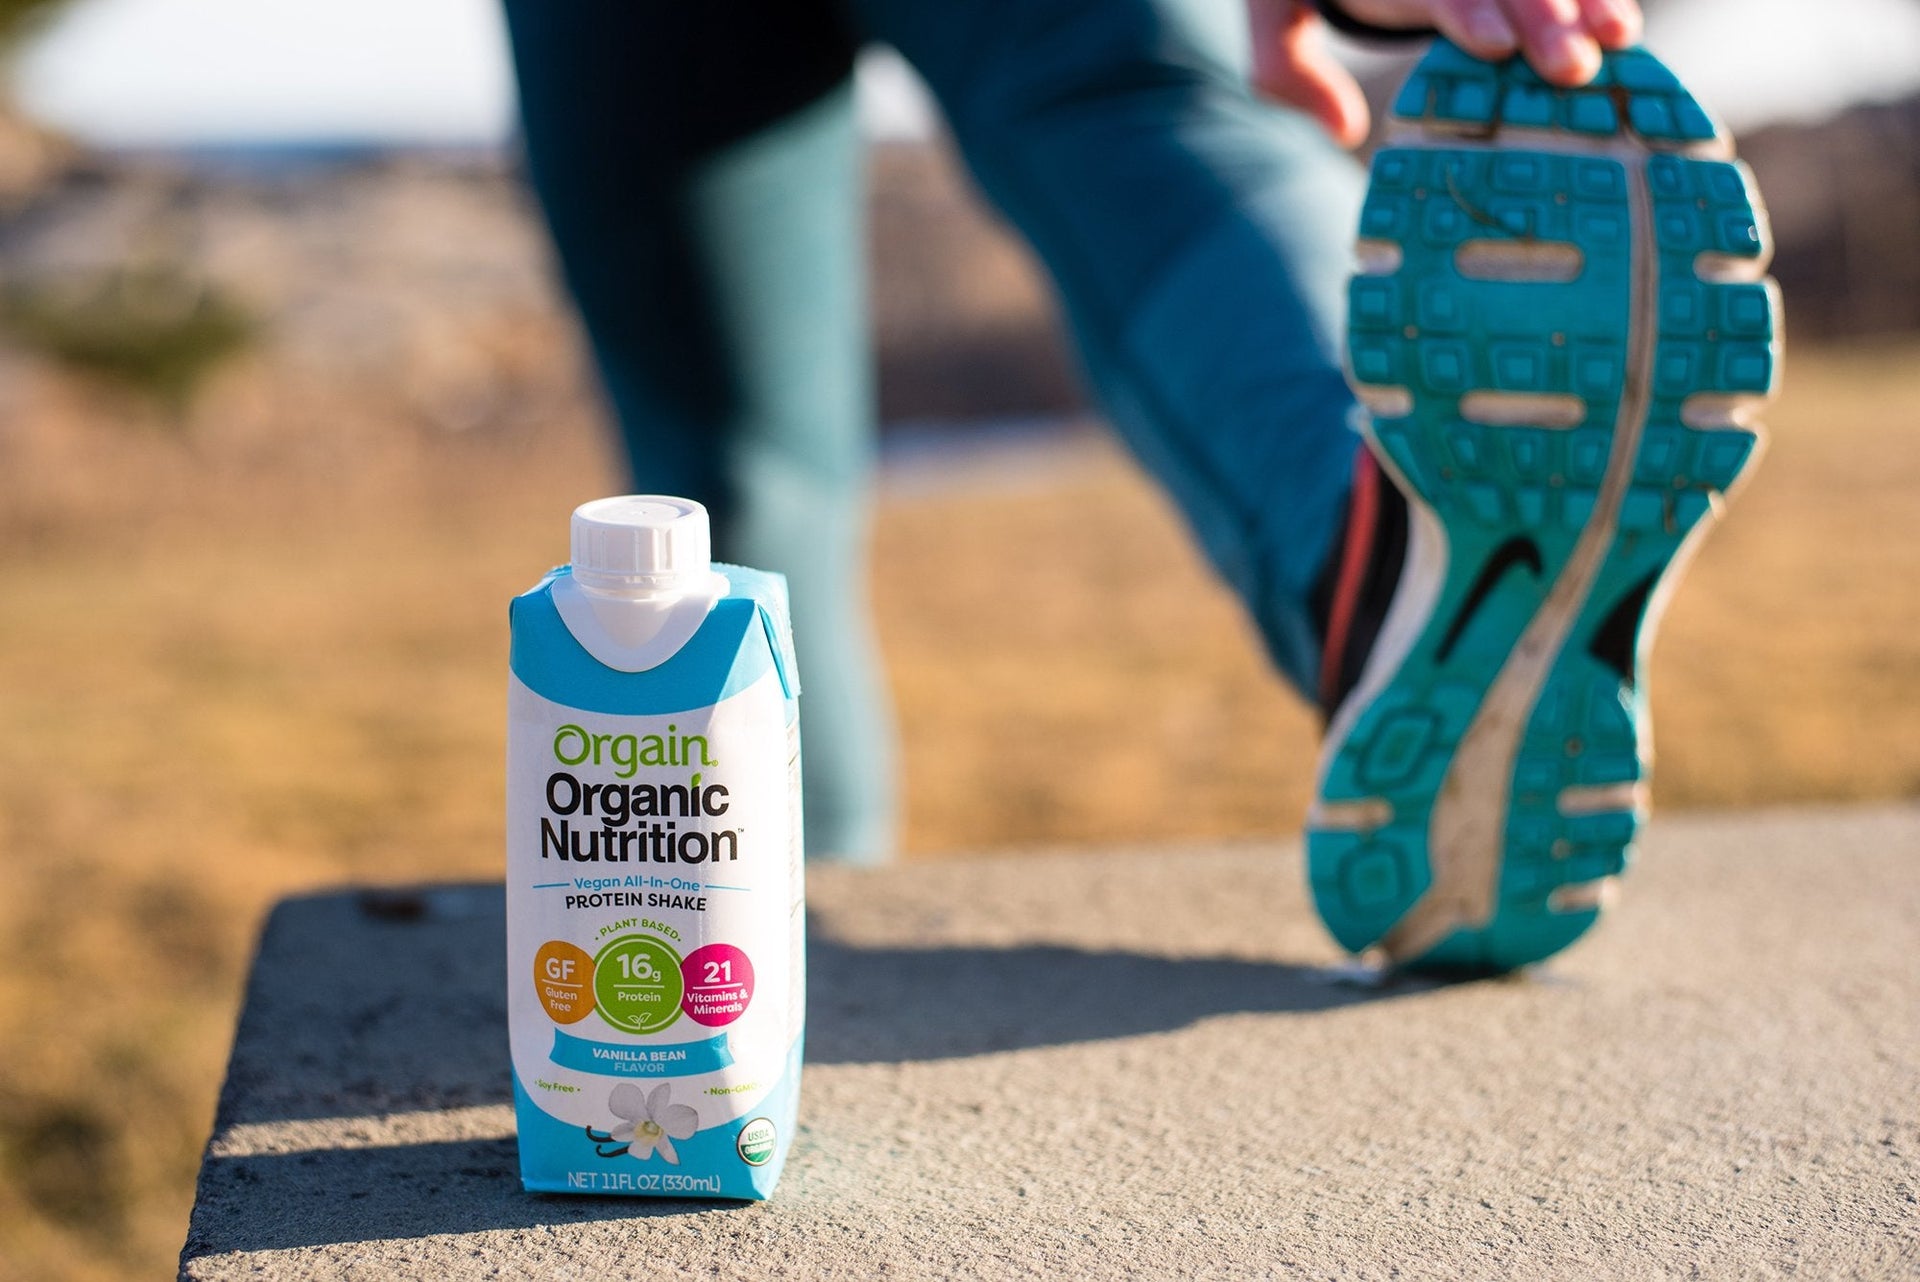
{"x": 642, "y": 578}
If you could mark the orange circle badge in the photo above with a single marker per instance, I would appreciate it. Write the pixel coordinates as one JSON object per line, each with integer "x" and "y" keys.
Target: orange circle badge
{"x": 563, "y": 976}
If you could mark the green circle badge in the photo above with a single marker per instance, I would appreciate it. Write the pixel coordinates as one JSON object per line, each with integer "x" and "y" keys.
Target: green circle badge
{"x": 637, "y": 984}
{"x": 756, "y": 1141}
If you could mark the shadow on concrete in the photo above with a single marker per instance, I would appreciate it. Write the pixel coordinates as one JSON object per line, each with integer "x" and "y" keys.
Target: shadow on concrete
{"x": 285, "y": 1201}
{"x": 382, "y": 1001}
{"x": 890, "y": 1004}
{"x": 378, "y": 1001}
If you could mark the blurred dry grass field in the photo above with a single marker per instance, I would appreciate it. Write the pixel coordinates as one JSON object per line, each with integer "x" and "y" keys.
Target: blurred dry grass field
{"x": 251, "y": 673}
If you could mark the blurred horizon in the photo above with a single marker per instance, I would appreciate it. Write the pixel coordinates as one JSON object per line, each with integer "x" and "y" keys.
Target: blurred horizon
{"x": 160, "y": 74}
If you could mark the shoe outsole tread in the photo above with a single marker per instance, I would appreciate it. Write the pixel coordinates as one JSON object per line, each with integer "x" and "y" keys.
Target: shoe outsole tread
{"x": 1614, "y": 381}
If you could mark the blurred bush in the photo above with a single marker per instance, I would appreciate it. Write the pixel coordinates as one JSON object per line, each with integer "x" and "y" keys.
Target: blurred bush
{"x": 61, "y": 1154}
{"x": 155, "y": 329}
{"x": 17, "y": 17}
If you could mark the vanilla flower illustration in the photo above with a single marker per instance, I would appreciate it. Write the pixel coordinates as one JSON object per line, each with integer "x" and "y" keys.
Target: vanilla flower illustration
{"x": 651, "y": 1122}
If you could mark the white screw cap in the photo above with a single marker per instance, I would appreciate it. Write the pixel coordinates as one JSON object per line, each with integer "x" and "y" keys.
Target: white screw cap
{"x": 641, "y": 536}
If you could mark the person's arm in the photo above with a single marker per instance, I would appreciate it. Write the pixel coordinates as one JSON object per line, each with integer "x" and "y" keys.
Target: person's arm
{"x": 1561, "y": 38}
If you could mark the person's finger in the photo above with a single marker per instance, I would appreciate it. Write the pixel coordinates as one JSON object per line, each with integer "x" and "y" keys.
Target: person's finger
{"x": 1291, "y": 64}
{"x": 1555, "y": 39}
{"x": 1481, "y": 27}
{"x": 1485, "y": 27}
{"x": 1562, "y": 39}
{"x": 1614, "y": 23}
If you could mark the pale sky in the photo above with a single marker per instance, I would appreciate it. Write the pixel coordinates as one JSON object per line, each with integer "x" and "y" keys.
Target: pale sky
{"x": 172, "y": 72}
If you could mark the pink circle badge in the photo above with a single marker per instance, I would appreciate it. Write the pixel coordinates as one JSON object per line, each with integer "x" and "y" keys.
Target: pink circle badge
{"x": 719, "y": 984}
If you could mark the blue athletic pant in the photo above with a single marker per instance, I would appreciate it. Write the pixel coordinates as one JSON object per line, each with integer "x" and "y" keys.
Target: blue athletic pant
{"x": 700, "y": 170}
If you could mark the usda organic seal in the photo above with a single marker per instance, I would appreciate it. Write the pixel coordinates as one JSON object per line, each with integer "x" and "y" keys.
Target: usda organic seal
{"x": 756, "y": 1142}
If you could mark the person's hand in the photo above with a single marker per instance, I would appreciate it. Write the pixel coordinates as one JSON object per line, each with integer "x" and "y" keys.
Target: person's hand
{"x": 1561, "y": 38}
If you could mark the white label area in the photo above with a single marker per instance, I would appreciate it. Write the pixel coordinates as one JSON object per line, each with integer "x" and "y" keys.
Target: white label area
{"x": 653, "y": 910}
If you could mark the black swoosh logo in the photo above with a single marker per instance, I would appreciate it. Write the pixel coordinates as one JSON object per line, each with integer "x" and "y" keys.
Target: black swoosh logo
{"x": 1518, "y": 550}
{"x": 1613, "y": 641}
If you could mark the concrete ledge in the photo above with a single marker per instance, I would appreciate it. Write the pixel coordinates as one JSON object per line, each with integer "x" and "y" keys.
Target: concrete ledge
{"x": 1149, "y": 1063}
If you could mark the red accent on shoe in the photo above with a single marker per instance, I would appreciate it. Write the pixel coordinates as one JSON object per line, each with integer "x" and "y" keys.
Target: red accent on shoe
{"x": 1363, "y": 508}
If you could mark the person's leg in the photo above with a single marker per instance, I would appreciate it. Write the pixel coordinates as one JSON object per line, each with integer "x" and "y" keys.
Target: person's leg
{"x": 1201, "y": 241}
{"x": 699, "y": 168}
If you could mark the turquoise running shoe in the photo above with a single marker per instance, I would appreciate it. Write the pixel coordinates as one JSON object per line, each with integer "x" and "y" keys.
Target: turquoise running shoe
{"x": 1562, "y": 328}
